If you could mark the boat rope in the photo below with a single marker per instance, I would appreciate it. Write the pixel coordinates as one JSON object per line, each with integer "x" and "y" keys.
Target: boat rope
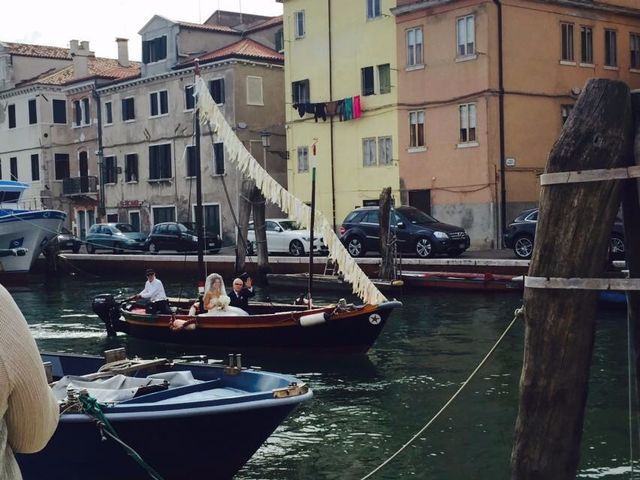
{"x": 91, "y": 407}
{"x": 518, "y": 314}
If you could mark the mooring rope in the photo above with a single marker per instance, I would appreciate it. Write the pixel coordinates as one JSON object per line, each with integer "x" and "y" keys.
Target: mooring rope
{"x": 91, "y": 407}
{"x": 519, "y": 312}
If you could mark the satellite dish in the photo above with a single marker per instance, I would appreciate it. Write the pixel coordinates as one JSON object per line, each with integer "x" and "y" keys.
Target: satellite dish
{"x": 242, "y": 125}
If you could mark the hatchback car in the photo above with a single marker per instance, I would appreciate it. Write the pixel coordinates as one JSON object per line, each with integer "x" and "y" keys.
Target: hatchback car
{"x": 66, "y": 240}
{"x": 119, "y": 237}
{"x": 415, "y": 231}
{"x": 520, "y": 235}
{"x": 286, "y": 236}
{"x": 179, "y": 237}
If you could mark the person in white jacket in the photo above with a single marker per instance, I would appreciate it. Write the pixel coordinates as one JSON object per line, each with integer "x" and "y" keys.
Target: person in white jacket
{"x": 155, "y": 294}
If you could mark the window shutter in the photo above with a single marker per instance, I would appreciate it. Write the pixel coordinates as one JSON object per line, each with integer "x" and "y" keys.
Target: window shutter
{"x": 145, "y": 51}
{"x": 254, "y": 91}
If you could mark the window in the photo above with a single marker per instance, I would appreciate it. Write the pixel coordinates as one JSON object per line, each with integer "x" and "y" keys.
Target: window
{"x": 131, "y": 167}
{"x": 189, "y": 99}
{"x": 158, "y": 103}
{"x": 61, "y": 161}
{"x": 299, "y": 23}
{"x": 466, "y": 36}
{"x": 416, "y": 129}
{"x": 85, "y": 111}
{"x": 82, "y": 116}
{"x": 154, "y": 50}
{"x": 12, "y": 115}
{"x": 610, "y": 48}
{"x": 279, "y": 41}
{"x": 128, "y": 109}
{"x": 254, "y": 91}
{"x": 35, "y": 167}
{"x": 191, "y": 160}
{"x": 13, "y": 168}
{"x": 565, "y": 111}
{"x": 59, "y": 111}
{"x": 160, "y": 161}
{"x": 414, "y": 47}
{"x": 367, "y": 81}
{"x": 384, "y": 78}
{"x": 108, "y": 113}
{"x": 385, "y": 150}
{"x": 467, "y": 123}
{"x": 373, "y": 9}
{"x": 369, "y": 152}
{"x": 303, "y": 159}
{"x": 211, "y": 218}
{"x": 586, "y": 45}
{"x": 33, "y": 113}
{"x": 218, "y": 158}
{"x": 634, "y": 46}
{"x": 110, "y": 170}
{"x": 134, "y": 220}
{"x": 300, "y": 91}
{"x": 111, "y": 218}
{"x": 216, "y": 88}
{"x": 163, "y": 214}
{"x": 77, "y": 113}
{"x": 567, "y": 42}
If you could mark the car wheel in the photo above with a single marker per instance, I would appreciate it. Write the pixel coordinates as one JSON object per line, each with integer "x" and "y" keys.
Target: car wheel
{"x": 355, "y": 247}
{"x": 153, "y": 248}
{"x": 296, "y": 248}
{"x": 90, "y": 248}
{"x": 523, "y": 247}
{"x": 76, "y": 249}
{"x": 424, "y": 248}
{"x": 616, "y": 247}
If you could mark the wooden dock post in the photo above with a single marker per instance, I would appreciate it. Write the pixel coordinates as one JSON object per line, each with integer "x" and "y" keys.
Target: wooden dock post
{"x": 571, "y": 242}
{"x": 387, "y": 260}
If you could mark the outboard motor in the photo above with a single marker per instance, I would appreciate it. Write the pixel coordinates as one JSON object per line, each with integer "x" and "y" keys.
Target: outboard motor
{"x": 105, "y": 306}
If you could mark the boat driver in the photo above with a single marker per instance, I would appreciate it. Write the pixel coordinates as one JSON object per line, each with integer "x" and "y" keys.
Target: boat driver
{"x": 155, "y": 294}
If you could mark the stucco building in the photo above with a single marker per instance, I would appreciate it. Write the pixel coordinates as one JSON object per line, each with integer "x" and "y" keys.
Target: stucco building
{"x": 484, "y": 87}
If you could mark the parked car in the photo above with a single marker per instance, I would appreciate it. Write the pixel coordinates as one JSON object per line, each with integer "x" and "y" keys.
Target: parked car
{"x": 180, "y": 237}
{"x": 520, "y": 235}
{"x": 415, "y": 231}
{"x": 286, "y": 236}
{"x": 119, "y": 237}
{"x": 66, "y": 240}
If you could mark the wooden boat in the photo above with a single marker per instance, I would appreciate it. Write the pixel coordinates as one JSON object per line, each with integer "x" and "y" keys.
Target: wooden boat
{"x": 463, "y": 281}
{"x": 185, "y": 420}
{"x": 327, "y": 282}
{"x": 342, "y": 327}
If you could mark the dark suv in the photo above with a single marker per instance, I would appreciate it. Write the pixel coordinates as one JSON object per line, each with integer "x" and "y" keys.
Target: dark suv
{"x": 520, "y": 234}
{"x": 415, "y": 231}
{"x": 181, "y": 237}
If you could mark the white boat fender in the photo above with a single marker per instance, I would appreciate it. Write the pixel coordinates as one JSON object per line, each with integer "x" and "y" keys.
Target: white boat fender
{"x": 314, "y": 319}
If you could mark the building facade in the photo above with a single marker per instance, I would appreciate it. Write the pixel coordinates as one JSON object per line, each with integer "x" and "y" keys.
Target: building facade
{"x": 481, "y": 102}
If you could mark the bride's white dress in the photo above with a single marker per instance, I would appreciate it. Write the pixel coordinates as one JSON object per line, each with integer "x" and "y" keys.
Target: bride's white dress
{"x": 219, "y": 307}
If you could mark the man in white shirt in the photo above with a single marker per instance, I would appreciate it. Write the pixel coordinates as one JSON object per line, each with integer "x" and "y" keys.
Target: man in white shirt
{"x": 155, "y": 294}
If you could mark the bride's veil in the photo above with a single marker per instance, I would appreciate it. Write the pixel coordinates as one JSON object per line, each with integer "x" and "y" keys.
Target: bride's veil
{"x": 209, "y": 282}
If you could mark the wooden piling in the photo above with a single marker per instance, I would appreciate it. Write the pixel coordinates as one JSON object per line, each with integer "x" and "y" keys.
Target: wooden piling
{"x": 244, "y": 212}
{"x": 387, "y": 260}
{"x": 259, "y": 223}
{"x": 571, "y": 241}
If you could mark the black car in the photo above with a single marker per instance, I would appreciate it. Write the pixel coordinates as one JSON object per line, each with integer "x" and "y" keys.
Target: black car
{"x": 65, "y": 240}
{"x": 520, "y": 235}
{"x": 181, "y": 237}
{"x": 415, "y": 231}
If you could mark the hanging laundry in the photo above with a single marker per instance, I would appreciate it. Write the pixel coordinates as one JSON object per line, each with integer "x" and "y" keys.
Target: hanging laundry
{"x": 357, "y": 112}
{"x": 319, "y": 111}
{"x": 348, "y": 108}
{"x": 340, "y": 109}
{"x": 332, "y": 108}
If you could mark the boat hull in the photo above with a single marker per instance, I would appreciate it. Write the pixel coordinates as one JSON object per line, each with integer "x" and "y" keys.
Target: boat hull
{"x": 212, "y": 439}
{"x": 351, "y": 331}
{"x": 30, "y": 230}
{"x": 463, "y": 281}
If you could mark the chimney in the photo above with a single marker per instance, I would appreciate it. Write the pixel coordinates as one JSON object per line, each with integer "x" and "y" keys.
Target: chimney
{"x": 80, "y": 54}
{"x": 123, "y": 51}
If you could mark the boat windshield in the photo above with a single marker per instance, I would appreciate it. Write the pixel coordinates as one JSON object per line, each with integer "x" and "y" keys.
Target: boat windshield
{"x": 416, "y": 216}
{"x": 289, "y": 225}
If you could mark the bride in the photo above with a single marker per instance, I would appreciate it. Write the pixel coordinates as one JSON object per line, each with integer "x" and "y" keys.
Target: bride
{"x": 216, "y": 301}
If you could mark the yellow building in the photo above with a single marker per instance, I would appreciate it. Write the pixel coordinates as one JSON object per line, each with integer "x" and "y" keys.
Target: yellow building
{"x": 344, "y": 52}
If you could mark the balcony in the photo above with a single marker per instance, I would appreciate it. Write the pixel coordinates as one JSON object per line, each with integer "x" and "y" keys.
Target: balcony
{"x": 79, "y": 186}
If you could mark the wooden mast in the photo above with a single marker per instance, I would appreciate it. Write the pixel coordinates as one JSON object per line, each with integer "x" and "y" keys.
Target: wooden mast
{"x": 571, "y": 241}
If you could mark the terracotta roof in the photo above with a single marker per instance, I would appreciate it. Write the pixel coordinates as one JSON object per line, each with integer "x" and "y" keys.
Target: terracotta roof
{"x": 42, "y": 51}
{"x": 98, "y": 67}
{"x": 246, "y": 48}
{"x": 264, "y": 24}
{"x": 212, "y": 28}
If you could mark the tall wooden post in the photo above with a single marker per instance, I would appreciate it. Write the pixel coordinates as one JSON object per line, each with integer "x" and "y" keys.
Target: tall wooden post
{"x": 386, "y": 249}
{"x": 244, "y": 212}
{"x": 258, "y": 202}
{"x": 571, "y": 241}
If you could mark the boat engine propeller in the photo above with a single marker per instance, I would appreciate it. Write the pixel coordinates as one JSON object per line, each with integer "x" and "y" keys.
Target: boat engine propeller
{"x": 105, "y": 306}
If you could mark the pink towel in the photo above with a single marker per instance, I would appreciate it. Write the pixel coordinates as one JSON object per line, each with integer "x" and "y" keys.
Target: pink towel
{"x": 357, "y": 112}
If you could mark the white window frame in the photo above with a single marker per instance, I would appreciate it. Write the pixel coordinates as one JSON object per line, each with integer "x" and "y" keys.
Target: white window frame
{"x": 611, "y": 53}
{"x": 186, "y": 162}
{"x": 128, "y": 120}
{"x": 382, "y": 157}
{"x": 158, "y": 103}
{"x": 125, "y": 167}
{"x": 565, "y": 111}
{"x": 139, "y": 216}
{"x": 567, "y": 43}
{"x": 415, "y": 48}
{"x": 468, "y": 123}
{"x": 417, "y": 118}
{"x": 106, "y": 117}
{"x": 83, "y": 112}
{"x": 367, "y": 152}
{"x": 466, "y": 37}
{"x": 374, "y": 9}
{"x": 299, "y": 24}
{"x": 259, "y": 103}
{"x": 209, "y": 204}
{"x": 193, "y": 91}
{"x": 634, "y": 49}
{"x": 586, "y": 45}
{"x": 304, "y": 150}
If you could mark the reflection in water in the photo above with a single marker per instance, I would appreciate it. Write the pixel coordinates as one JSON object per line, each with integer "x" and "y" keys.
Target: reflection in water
{"x": 366, "y": 407}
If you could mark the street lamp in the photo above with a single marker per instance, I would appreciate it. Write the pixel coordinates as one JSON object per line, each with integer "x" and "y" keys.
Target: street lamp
{"x": 266, "y": 143}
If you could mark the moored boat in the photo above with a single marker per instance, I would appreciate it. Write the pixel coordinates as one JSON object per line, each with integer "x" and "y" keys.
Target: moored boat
{"x": 463, "y": 281}
{"x": 184, "y": 420}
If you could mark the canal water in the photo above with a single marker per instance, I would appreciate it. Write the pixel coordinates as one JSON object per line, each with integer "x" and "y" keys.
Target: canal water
{"x": 367, "y": 407}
